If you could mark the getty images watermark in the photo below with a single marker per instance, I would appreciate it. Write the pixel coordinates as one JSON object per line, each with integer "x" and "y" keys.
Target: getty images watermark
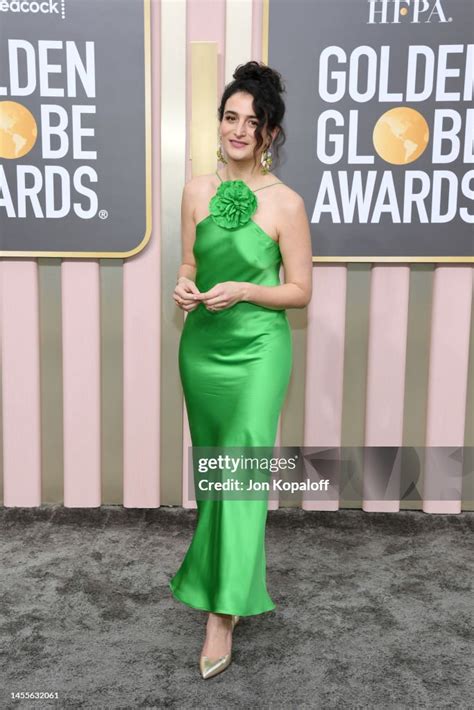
{"x": 348, "y": 473}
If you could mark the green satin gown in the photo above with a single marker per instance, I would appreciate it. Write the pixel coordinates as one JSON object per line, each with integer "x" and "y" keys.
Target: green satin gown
{"x": 235, "y": 366}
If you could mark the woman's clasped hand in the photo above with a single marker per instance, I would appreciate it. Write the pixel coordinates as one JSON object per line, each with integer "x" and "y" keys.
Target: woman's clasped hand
{"x": 184, "y": 292}
{"x": 222, "y": 295}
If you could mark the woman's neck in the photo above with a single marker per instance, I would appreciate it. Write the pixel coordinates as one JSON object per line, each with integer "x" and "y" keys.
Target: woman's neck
{"x": 249, "y": 176}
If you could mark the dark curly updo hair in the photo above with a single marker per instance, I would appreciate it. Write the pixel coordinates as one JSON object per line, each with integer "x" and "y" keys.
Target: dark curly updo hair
{"x": 265, "y": 85}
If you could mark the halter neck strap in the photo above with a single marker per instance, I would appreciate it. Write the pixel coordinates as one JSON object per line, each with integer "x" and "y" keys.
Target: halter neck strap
{"x": 258, "y": 188}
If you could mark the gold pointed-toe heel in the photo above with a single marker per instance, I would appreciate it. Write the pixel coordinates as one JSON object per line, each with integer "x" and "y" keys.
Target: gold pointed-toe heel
{"x": 210, "y": 667}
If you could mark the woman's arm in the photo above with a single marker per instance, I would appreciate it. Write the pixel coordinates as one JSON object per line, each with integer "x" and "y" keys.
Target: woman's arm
{"x": 187, "y": 268}
{"x": 276, "y": 297}
{"x": 297, "y": 256}
{"x": 186, "y": 287}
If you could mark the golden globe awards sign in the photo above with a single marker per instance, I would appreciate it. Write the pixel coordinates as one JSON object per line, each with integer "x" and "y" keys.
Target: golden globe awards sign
{"x": 75, "y": 148}
{"x": 380, "y": 116}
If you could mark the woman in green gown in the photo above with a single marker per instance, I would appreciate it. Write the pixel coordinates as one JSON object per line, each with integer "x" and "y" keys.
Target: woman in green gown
{"x": 235, "y": 352}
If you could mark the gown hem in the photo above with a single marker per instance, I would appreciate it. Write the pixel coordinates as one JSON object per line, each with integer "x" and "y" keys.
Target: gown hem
{"x": 218, "y": 611}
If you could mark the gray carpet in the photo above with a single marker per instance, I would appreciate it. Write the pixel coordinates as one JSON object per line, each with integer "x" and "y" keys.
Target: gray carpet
{"x": 373, "y": 611}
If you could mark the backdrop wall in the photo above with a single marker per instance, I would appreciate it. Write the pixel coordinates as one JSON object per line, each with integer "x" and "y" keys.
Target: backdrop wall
{"x": 91, "y": 404}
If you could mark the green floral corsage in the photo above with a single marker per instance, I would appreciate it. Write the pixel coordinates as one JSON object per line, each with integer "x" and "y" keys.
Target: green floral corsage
{"x": 233, "y": 204}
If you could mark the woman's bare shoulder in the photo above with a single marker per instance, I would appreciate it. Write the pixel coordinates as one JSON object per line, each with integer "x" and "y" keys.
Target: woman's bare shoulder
{"x": 283, "y": 187}
{"x": 287, "y": 196}
{"x": 200, "y": 180}
{"x": 199, "y": 184}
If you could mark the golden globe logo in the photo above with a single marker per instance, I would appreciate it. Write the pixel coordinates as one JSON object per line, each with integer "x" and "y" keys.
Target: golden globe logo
{"x": 400, "y": 136}
{"x": 45, "y": 7}
{"x": 75, "y": 155}
{"x": 58, "y": 132}
{"x": 391, "y": 12}
{"x": 18, "y": 130}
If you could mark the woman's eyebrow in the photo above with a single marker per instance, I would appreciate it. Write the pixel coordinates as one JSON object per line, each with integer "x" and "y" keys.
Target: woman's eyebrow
{"x": 229, "y": 111}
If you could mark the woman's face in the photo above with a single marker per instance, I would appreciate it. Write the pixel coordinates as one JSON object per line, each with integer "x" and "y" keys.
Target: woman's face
{"x": 237, "y": 128}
